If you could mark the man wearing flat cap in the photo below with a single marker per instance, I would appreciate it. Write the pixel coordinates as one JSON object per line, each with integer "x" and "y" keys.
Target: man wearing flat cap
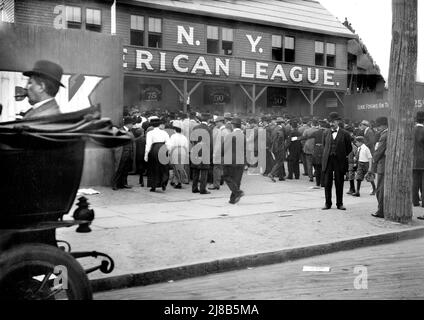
{"x": 379, "y": 159}
{"x": 337, "y": 146}
{"x": 43, "y": 85}
{"x": 418, "y": 164}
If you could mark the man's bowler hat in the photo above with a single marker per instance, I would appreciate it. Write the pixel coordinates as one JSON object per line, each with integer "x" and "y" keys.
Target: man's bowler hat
{"x": 381, "y": 121}
{"x": 47, "y": 69}
{"x": 236, "y": 121}
{"x": 334, "y": 116}
{"x": 420, "y": 116}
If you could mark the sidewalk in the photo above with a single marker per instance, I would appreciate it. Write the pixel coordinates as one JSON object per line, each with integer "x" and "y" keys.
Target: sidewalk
{"x": 164, "y": 236}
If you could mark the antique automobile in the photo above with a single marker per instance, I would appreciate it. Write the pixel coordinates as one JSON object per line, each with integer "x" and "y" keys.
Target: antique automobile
{"x": 42, "y": 162}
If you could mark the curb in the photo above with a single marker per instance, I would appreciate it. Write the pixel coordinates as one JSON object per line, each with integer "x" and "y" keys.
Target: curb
{"x": 251, "y": 260}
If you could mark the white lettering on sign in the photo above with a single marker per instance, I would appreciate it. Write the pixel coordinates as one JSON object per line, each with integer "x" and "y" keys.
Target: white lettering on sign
{"x": 60, "y": 20}
{"x": 219, "y": 65}
{"x": 244, "y": 74}
{"x": 380, "y": 105}
{"x": 201, "y": 64}
{"x": 143, "y": 61}
{"x": 188, "y": 36}
{"x": 162, "y": 61}
{"x": 316, "y": 79}
{"x": 279, "y": 72}
{"x": 176, "y": 63}
{"x": 261, "y": 70}
{"x": 253, "y": 43}
{"x": 296, "y": 74}
{"x": 328, "y": 77}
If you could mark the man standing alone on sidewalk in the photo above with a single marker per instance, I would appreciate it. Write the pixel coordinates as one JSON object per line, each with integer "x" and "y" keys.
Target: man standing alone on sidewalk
{"x": 379, "y": 163}
{"x": 234, "y": 159}
{"x": 337, "y": 146}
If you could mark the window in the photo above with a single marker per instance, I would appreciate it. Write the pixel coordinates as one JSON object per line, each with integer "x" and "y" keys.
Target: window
{"x": 289, "y": 49}
{"x": 137, "y": 31}
{"x": 227, "y": 41}
{"x": 155, "y": 33}
{"x": 2, "y": 17}
{"x": 93, "y": 20}
{"x": 73, "y": 17}
{"x": 277, "y": 50}
{"x": 319, "y": 53}
{"x": 212, "y": 40}
{"x": 331, "y": 55}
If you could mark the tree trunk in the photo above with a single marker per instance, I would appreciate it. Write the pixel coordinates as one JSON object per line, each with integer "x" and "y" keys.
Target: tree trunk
{"x": 402, "y": 76}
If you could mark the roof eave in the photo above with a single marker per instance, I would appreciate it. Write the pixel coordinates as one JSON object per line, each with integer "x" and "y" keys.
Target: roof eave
{"x": 221, "y": 16}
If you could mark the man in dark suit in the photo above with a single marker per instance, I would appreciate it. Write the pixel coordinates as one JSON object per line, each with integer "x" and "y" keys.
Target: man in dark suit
{"x": 234, "y": 160}
{"x": 337, "y": 146}
{"x": 42, "y": 87}
{"x": 418, "y": 165}
{"x": 201, "y": 154}
{"x": 125, "y": 156}
{"x": 379, "y": 160}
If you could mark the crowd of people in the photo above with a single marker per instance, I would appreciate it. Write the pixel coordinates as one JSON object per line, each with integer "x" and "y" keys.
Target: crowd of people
{"x": 331, "y": 149}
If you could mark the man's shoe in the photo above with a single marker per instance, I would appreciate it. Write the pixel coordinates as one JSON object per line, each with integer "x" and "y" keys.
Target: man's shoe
{"x": 196, "y": 191}
{"x": 350, "y": 192}
{"x": 115, "y": 188}
{"x": 290, "y": 178}
{"x": 376, "y": 215}
{"x": 311, "y": 179}
{"x": 326, "y": 208}
{"x": 178, "y": 186}
{"x": 372, "y": 193}
{"x": 341, "y": 208}
{"x": 356, "y": 194}
{"x": 420, "y": 218}
{"x": 204, "y": 192}
{"x": 238, "y": 197}
{"x": 272, "y": 178}
{"x": 152, "y": 189}
{"x": 213, "y": 188}
{"x": 127, "y": 187}
{"x": 282, "y": 179}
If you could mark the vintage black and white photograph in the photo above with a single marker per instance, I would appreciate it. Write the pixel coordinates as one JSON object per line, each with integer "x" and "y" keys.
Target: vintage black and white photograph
{"x": 214, "y": 150}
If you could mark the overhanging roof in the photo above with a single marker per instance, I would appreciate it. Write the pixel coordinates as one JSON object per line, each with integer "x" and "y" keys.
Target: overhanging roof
{"x": 304, "y": 15}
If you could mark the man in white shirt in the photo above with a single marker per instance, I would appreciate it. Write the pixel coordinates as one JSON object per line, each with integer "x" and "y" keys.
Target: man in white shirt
{"x": 364, "y": 160}
{"x": 42, "y": 87}
{"x": 218, "y": 133}
{"x": 158, "y": 172}
{"x": 179, "y": 155}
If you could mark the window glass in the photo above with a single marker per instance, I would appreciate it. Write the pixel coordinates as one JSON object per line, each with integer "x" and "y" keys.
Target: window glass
{"x": 289, "y": 49}
{"x": 73, "y": 14}
{"x": 331, "y": 49}
{"x": 276, "y": 41}
{"x": 155, "y": 25}
{"x": 212, "y": 32}
{"x": 289, "y": 43}
{"x": 227, "y": 34}
{"x": 319, "y": 47}
{"x": 137, "y": 22}
{"x": 93, "y": 16}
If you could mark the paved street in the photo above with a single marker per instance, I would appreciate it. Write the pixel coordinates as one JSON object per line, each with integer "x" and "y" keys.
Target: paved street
{"x": 145, "y": 231}
{"x": 395, "y": 271}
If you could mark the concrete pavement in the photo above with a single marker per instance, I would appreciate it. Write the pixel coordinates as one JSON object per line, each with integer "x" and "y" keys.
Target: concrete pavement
{"x": 162, "y": 236}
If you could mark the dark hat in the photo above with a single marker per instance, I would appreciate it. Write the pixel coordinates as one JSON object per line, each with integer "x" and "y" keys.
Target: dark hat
{"x": 267, "y": 119}
{"x": 334, "y": 116}
{"x": 236, "y": 121}
{"x": 205, "y": 116}
{"x": 155, "y": 122}
{"x": 360, "y": 139}
{"x": 47, "y": 69}
{"x": 381, "y": 121}
{"x": 420, "y": 116}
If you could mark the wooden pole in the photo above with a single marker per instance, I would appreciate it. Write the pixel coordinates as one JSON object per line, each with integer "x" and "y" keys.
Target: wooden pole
{"x": 402, "y": 77}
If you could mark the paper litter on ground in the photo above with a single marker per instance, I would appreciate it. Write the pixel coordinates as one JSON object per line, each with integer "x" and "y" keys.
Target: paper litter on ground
{"x": 316, "y": 269}
{"x": 88, "y": 191}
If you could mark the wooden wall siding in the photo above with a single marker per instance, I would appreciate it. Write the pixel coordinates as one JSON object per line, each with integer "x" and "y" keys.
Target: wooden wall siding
{"x": 235, "y": 69}
{"x": 304, "y": 41}
{"x": 87, "y": 53}
{"x": 298, "y": 14}
{"x": 41, "y": 12}
{"x": 8, "y": 10}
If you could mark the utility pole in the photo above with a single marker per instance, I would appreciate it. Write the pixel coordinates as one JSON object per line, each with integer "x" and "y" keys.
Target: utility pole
{"x": 402, "y": 80}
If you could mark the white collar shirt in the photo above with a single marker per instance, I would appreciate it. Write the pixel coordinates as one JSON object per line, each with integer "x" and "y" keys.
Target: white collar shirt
{"x": 334, "y": 133}
{"x": 39, "y": 104}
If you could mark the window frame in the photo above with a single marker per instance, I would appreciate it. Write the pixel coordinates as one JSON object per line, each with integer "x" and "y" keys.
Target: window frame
{"x": 92, "y": 26}
{"x": 73, "y": 24}
{"x": 143, "y": 32}
{"x": 281, "y": 48}
{"x": 218, "y": 42}
{"x": 331, "y": 55}
{"x": 226, "y": 41}
{"x": 294, "y": 49}
{"x": 155, "y": 33}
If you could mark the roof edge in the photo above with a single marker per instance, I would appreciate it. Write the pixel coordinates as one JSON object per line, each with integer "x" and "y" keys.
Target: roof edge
{"x": 221, "y": 16}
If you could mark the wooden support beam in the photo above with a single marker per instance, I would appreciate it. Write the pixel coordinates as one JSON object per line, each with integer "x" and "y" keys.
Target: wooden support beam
{"x": 176, "y": 88}
{"x": 318, "y": 96}
{"x": 338, "y": 97}
{"x": 194, "y": 88}
{"x": 304, "y": 94}
{"x": 185, "y": 96}
{"x": 247, "y": 93}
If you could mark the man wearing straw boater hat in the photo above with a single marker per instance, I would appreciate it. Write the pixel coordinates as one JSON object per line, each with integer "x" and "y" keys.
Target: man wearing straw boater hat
{"x": 42, "y": 87}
